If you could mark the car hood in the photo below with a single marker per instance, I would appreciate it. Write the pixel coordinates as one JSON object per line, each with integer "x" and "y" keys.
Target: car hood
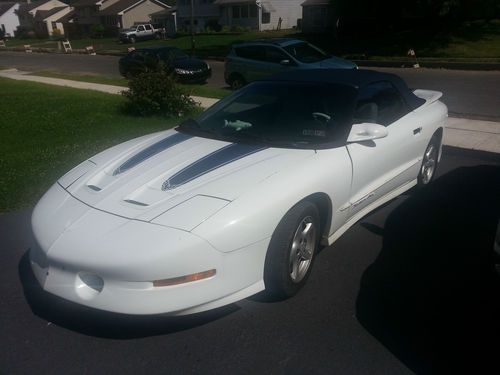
{"x": 143, "y": 178}
{"x": 336, "y": 62}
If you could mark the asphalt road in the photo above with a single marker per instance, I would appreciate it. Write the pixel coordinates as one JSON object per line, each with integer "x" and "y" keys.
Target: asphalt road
{"x": 472, "y": 94}
{"x": 408, "y": 289}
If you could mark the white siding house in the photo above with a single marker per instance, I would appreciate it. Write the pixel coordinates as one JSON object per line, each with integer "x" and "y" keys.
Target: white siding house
{"x": 8, "y": 18}
{"x": 254, "y": 14}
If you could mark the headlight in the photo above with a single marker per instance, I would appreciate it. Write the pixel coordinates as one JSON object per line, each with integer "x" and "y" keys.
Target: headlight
{"x": 191, "y": 213}
{"x": 189, "y": 72}
{"x": 183, "y": 71}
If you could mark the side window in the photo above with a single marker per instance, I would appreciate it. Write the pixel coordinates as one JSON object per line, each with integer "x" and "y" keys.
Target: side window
{"x": 140, "y": 28}
{"x": 251, "y": 52}
{"x": 137, "y": 56}
{"x": 274, "y": 55}
{"x": 148, "y": 27}
{"x": 379, "y": 103}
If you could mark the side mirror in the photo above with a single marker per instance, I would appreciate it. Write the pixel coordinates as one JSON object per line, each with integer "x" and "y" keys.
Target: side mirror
{"x": 366, "y": 132}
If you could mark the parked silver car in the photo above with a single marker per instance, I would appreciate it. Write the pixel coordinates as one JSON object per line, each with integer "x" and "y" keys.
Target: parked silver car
{"x": 254, "y": 60}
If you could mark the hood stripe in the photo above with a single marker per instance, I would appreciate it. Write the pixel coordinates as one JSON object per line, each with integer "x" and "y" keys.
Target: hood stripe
{"x": 210, "y": 162}
{"x": 151, "y": 151}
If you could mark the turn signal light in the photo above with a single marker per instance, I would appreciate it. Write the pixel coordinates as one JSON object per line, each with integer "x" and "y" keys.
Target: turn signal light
{"x": 185, "y": 279}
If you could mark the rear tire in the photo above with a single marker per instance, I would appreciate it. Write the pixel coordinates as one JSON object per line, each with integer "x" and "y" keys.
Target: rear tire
{"x": 291, "y": 251}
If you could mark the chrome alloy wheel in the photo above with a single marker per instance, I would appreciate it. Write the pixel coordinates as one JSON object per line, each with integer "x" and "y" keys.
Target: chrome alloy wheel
{"x": 429, "y": 163}
{"x": 302, "y": 249}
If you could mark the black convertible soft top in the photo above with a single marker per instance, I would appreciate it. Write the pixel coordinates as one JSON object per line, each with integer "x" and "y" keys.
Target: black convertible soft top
{"x": 356, "y": 78}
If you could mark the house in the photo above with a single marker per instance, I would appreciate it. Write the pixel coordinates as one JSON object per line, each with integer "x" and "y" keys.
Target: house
{"x": 253, "y": 14}
{"x": 8, "y": 18}
{"x": 125, "y": 13}
{"x": 27, "y": 11}
{"x": 205, "y": 14}
{"x": 167, "y": 18}
{"x": 85, "y": 16}
{"x": 317, "y": 16}
{"x": 46, "y": 24}
{"x": 260, "y": 15}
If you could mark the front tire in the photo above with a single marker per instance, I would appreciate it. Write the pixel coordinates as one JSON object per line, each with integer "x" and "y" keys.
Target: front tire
{"x": 291, "y": 251}
{"x": 132, "y": 39}
{"x": 236, "y": 82}
{"x": 429, "y": 161}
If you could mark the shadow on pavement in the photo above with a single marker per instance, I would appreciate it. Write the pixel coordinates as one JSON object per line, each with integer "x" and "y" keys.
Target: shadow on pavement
{"x": 103, "y": 324}
{"x": 432, "y": 297}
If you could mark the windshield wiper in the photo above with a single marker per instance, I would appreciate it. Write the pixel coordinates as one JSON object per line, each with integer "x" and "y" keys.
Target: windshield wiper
{"x": 192, "y": 124}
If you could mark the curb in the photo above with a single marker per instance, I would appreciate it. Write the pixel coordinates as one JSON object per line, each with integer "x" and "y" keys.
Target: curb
{"x": 459, "y": 65}
{"x": 75, "y": 51}
{"x": 435, "y": 64}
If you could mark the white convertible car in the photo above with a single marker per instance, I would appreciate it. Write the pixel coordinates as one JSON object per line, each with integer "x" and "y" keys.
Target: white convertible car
{"x": 238, "y": 200}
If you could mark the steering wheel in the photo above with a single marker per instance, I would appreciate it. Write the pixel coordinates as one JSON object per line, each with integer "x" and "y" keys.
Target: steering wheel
{"x": 321, "y": 117}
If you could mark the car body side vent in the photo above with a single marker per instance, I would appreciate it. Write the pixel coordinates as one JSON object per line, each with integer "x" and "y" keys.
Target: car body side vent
{"x": 131, "y": 201}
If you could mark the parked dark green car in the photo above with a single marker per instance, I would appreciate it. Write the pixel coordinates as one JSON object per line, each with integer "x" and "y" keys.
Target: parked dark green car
{"x": 185, "y": 68}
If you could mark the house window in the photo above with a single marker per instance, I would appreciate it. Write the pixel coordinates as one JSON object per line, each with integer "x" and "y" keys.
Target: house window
{"x": 266, "y": 17}
{"x": 54, "y": 26}
{"x": 253, "y": 11}
{"x": 236, "y": 11}
{"x": 318, "y": 16}
{"x": 244, "y": 11}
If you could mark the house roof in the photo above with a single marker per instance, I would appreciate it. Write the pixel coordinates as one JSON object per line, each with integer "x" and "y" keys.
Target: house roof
{"x": 123, "y": 5}
{"x": 224, "y": 2}
{"x": 67, "y": 17}
{"x": 27, "y": 7}
{"x": 266, "y": 5}
{"x": 43, "y": 14}
{"x": 4, "y": 7}
{"x": 164, "y": 12}
{"x": 315, "y": 2}
{"x": 81, "y": 3}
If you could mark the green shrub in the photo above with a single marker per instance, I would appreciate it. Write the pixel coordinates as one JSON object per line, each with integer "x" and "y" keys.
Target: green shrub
{"x": 155, "y": 92}
{"x": 97, "y": 31}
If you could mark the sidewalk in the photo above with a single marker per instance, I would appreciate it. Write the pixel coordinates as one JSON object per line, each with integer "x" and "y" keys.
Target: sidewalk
{"x": 459, "y": 132}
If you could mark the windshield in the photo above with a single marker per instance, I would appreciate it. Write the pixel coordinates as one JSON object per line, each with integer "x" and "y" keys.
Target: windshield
{"x": 306, "y": 53}
{"x": 283, "y": 114}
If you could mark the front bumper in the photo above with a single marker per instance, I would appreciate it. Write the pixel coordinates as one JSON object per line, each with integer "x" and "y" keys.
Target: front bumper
{"x": 124, "y": 38}
{"x": 194, "y": 77}
{"x": 109, "y": 263}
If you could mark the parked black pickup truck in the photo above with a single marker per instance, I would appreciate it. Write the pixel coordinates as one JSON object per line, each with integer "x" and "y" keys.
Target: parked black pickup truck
{"x": 140, "y": 32}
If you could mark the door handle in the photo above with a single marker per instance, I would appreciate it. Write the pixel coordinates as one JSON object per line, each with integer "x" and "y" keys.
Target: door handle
{"x": 417, "y": 130}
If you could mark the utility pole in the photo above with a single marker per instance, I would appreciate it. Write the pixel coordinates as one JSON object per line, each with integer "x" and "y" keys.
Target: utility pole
{"x": 192, "y": 28}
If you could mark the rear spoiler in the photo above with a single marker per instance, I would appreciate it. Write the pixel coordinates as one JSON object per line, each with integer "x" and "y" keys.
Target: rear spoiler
{"x": 428, "y": 95}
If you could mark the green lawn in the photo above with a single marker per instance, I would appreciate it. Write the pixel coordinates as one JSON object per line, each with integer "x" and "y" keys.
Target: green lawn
{"x": 477, "y": 40}
{"x": 197, "y": 90}
{"x": 47, "y": 130}
{"x": 206, "y": 45}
